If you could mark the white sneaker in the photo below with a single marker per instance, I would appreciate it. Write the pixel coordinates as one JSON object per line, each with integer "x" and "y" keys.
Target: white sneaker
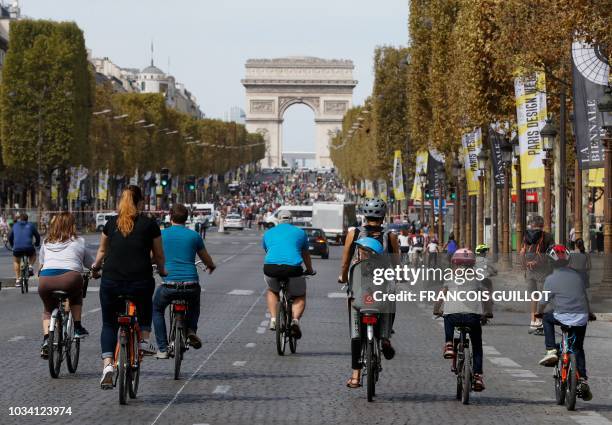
{"x": 162, "y": 355}
{"x": 550, "y": 359}
{"x": 107, "y": 377}
{"x": 272, "y": 324}
{"x": 147, "y": 348}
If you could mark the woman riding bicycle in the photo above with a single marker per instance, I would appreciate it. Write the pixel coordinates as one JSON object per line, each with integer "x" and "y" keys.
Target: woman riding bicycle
{"x": 62, "y": 258}
{"x": 126, "y": 244}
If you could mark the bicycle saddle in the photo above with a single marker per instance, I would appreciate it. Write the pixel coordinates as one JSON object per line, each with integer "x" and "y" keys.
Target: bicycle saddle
{"x": 463, "y": 328}
{"x": 60, "y": 293}
{"x": 369, "y": 311}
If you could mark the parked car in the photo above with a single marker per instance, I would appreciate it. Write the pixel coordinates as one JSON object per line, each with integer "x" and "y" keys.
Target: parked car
{"x": 317, "y": 242}
{"x": 233, "y": 221}
{"x": 102, "y": 218}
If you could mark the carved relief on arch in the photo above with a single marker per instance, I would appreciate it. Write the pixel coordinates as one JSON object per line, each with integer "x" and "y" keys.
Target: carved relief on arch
{"x": 285, "y": 102}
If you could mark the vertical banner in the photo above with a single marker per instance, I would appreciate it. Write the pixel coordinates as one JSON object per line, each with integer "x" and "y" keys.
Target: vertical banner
{"x": 369, "y": 189}
{"x": 382, "y": 189}
{"x": 496, "y": 157}
{"x": 596, "y": 177}
{"x": 54, "y": 185}
{"x": 587, "y": 122}
{"x": 134, "y": 178}
{"x": 398, "y": 177}
{"x": 530, "y": 93}
{"x": 159, "y": 189}
{"x": 73, "y": 187}
{"x": 103, "y": 185}
{"x": 421, "y": 165}
{"x": 435, "y": 173}
{"x": 472, "y": 144}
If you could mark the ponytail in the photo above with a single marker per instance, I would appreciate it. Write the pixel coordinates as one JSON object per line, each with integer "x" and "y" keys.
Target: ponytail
{"x": 128, "y": 209}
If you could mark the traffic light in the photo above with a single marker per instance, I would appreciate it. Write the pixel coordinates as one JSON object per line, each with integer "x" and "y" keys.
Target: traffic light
{"x": 165, "y": 177}
{"x": 427, "y": 194}
{"x": 453, "y": 194}
{"x": 191, "y": 183}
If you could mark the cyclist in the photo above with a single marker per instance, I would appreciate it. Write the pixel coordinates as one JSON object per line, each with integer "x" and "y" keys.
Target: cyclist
{"x": 463, "y": 313}
{"x": 126, "y": 245}
{"x": 432, "y": 252}
{"x": 417, "y": 243}
{"x": 535, "y": 245}
{"x": 181, "y": 245}
{"x": 20, "y": 239}
{"x": 450, "y": 247}
{"x": 62, "y": 258}
{"x": 404, "y": 242}
{"x": 286, "y": 248}
{"x": 482, "y": 262}
{"x": 374, "y": 211}
{"x": 570, "y": 307}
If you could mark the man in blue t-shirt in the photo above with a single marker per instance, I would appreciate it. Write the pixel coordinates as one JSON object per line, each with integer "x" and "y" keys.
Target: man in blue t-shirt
{"x": 286, "y": 248}
{"x": 181, "y": 245}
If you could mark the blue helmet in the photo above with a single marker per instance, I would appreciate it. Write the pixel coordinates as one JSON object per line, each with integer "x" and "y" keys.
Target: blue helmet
{"x": 370, "y": 244}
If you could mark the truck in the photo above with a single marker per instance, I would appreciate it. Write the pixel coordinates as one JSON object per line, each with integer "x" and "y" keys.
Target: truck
{"x": 334, "y": 218}
{"x": 301, "y": 215}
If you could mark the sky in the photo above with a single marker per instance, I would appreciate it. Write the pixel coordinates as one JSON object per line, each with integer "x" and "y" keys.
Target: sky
{"x": 207, "y": 42}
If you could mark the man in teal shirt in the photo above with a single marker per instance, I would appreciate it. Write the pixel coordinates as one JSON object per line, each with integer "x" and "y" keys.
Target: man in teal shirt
{"x": 286, "y": 248}
{"x": 181, "y": 245}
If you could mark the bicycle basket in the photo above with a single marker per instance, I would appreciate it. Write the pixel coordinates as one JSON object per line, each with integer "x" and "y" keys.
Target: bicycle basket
{"x": 365, "y": 293}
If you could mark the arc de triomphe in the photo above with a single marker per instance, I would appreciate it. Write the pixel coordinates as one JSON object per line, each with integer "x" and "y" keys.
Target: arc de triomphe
{"x": 273, "y": 85}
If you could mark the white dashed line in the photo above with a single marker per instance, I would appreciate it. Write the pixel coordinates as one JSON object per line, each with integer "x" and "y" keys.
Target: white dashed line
{"x": 229, "y": 258}
{"x": 336, "y": 295}
{"x": 264, "y": 323}
{"x": 240, "y": 292}
{"x": 504, "y": 362}
{"x": 16, "y": 338}
{"x": 268, "y": 315}
{"x": 520, "y": 373}
{"x": 250, "y": 345}
{"x": 261, "y": 330}
{"x": 529, "y": 380}
{"x": 490, "y": 350}
{"x": 239, "y": 363}
{"x": 221, "y": 389}
{"x": 591, "y": 418}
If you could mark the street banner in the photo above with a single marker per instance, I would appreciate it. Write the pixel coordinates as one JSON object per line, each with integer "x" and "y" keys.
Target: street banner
{"x": 77, "y": 175}
{"x": 421, "y": 165}
{"x": 398, "y": 177}
{"x": 134, "y": 178}
{"x": 596, "y": 177}
{"x": 159, "y": 189}
{"x": 587, "y": 122}
{"x": 54, "y": 185}
{"x": 382, "y": 189}
{"x": 472, "y": 144}
{"x": 497, "y": 139}
{"x": 369, "y": 189}
{"x": 530, "y": 94}
{"x": 103, "y": 185}
{"x": 175, "y": 185}
{"x": 435, "y": 171}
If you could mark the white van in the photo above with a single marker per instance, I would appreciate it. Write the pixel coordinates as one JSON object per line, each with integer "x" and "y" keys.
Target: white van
{"x": 102, "y": 218}
{"x": 301, "y": 215}
{"x": 334, "y": 218}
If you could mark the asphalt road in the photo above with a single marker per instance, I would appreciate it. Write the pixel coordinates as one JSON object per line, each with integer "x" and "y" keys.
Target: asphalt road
{"x": 237, "y": 377}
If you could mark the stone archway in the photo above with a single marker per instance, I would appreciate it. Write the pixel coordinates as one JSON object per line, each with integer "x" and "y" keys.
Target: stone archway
{"x": 274, "y": 85}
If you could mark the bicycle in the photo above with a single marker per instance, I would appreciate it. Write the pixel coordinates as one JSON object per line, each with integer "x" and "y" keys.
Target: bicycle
{"x": 62, "y": 341}
{"x": 566, "y": 373}
{"x": 370, "y": 349}
{"x": 463, "y": 364}
{"x": 284, "y": 317}
{"x": 24, "y": 273}
{"x": 128, "y": 356}
{"x": 177, "y": 337}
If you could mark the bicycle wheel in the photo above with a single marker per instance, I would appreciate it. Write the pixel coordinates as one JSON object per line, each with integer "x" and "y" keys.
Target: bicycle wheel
{"x": 458, "y": 370}
{"x": 122, "y": 372}
{"x": 292, "y": 339}
{"x": 467, "y": 376}
{"x": 134, "y": 368}
{"x": 178, "y": 348}
{"x": 73, "y": 346}
{"x": 281, "y": 328}
{"x": 559, "y": 384}
{"x": 56, "y": 347}
{"x": 571, "y": 384}
{"x": 370, "y": 370}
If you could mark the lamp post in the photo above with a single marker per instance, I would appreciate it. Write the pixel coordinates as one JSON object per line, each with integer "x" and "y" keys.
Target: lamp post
{"x": 548, "y": 135}
{"x": 463, "y": 212}
{"x": 506, "y": 151}
{"x": 457, "y": 202}
{"x": 422, "y": 181}
{"x": 519, "y": 210}
{"x": 440, "y": 181}
{"x": 604, "y": 105}
{"x": 482, "y": 165}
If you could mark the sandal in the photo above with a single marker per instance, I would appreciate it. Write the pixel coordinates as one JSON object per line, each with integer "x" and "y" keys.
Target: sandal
{"x": 478, "y": 382}
{"x": 353, "y": 382}
{"x": 449, "y": 351}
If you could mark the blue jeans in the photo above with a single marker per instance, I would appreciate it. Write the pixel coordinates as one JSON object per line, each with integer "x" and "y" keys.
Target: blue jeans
{"x": 162, "y": 298}
{"x": 141, "y": 291}
{"x": 451, "y": 321}
{"x": 577, "y": 332}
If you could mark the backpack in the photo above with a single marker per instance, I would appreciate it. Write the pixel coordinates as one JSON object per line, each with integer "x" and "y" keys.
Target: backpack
{"x": 533, "y": 248}
{"x": 451, "y": 247}
{"x": 419, "y": 241}
{"x": 376, "y": 232}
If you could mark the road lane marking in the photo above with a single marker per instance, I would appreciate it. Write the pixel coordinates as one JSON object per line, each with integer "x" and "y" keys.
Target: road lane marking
{"x": 504, "y": 362}
{"x": 261, "y": 330}
{"x": 268, "y": 315}
{"x": 528, "y": 380}
{"x": 241, "y": 292}
{"x": 250, "y": 345}
{"x": 212, "y": 353}
{"x": 520, "y": 373}
{"x": 336, "y": 295}
{"x": 591, "y": 418}
{"x": 264, "y": 323}
{"x": 234, "y": 256}
{"x": 16, "y": 338}
{"x": 239, "y": 363}
{"x": 221, "y": 389}
{"x": 490, "y": 350}
{"x": 94, "y": 310}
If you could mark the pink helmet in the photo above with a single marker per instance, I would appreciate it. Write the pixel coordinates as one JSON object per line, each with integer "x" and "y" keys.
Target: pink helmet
{"x": 463, "y": 257}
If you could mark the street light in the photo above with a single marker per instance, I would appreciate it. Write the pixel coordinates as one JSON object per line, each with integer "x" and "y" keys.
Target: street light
{"x": 548, "y": 135}
{"x": 506, "y": 153}
{"x": 456, "y": 171}
{"x": 519, "y": 210}
{"x": 440, "y": 182}
{"x": 482, "y": 166}
{"x": 422, "y": 180}
{"x": 604, "y": 105}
